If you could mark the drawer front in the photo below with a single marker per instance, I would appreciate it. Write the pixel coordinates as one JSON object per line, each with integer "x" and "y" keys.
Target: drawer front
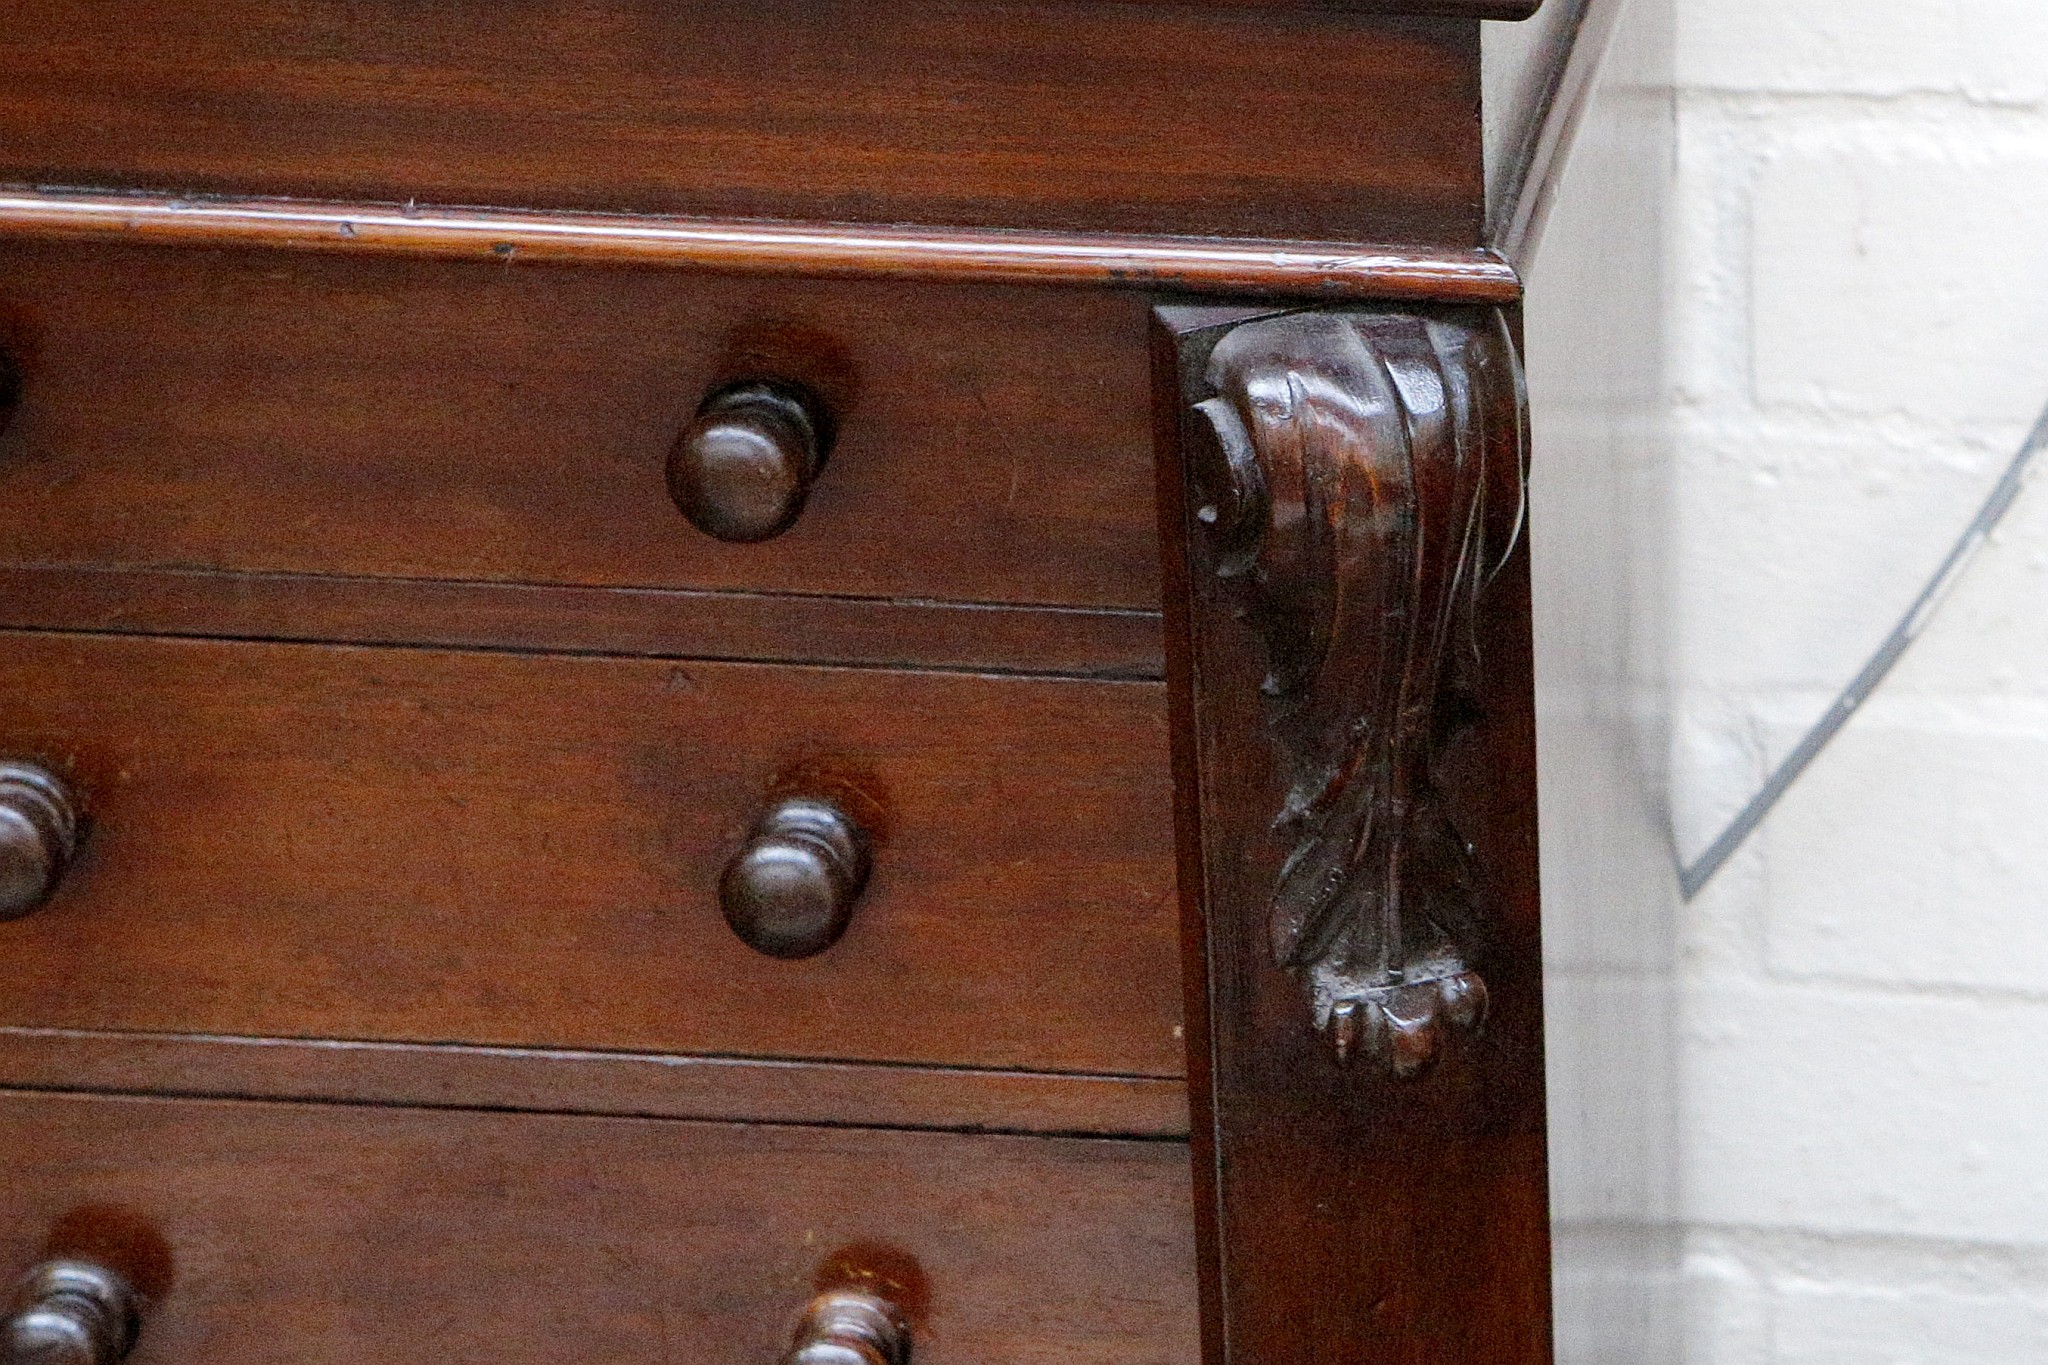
{"x": 1143, "y": 118}
{"x": 282, "y": 413}
{"x": 308, "y": 1234}
{"x": 417, "y": 845}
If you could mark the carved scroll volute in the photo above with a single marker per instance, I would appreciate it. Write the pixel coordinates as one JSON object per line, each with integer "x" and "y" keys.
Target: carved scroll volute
{"x": 1360, "y": 478}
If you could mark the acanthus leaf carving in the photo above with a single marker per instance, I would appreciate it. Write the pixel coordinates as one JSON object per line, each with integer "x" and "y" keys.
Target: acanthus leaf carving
{"x": 1350, "y": 471}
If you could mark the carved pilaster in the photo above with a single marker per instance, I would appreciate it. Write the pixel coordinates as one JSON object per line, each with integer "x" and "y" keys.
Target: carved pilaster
{"x": 1349, "y": 660}
{"x": 1348, "y": 471}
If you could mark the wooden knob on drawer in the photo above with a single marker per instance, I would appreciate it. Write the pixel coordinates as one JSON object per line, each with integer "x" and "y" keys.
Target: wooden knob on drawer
{"x": 742, "y": 469}
{"x": 38, "y": 835}
{"x": 847, "y": 1327}
{"x": 790, "y": 891}
{"x": 70, "y": 1313}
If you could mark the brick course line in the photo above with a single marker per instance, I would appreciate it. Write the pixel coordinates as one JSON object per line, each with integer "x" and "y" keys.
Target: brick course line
{"x": 1693, "y": 877}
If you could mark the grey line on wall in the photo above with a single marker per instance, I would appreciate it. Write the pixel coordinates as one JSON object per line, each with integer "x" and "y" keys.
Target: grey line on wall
{"x": 1694, "y": 876}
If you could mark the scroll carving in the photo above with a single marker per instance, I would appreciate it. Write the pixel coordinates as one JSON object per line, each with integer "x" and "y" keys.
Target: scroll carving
{"x": 1359, "y": 478}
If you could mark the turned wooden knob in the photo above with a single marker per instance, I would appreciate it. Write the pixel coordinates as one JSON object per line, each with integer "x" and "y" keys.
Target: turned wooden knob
{"x": 742, "y": 469}
{"x": 847, "y": 1327}
{"x": 790, "y": 891}
{"x": 70, "y": 1313}
{"x": 38, "y": 835}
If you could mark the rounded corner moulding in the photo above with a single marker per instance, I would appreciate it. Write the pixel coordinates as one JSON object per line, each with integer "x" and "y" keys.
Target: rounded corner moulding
{"x": 1331, "y": 271}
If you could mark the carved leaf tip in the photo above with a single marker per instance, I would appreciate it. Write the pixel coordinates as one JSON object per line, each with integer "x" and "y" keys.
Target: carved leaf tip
{"x": 1404, "y": 1026}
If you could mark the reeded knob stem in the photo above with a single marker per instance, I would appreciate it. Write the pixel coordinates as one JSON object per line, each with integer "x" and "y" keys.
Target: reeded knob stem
{"x": 70, "y": 1313}
{"x": 742, "y": 469}
{"x": 791, "y": 890}
{"x": 38, "y": 835}
{"x": 847, "y": 1327}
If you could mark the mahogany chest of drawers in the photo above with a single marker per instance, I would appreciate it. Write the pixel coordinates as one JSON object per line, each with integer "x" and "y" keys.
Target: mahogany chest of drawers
{"x": 805, "y": 680}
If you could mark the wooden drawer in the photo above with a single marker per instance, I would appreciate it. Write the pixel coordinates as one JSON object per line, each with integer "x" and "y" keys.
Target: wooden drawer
{"x": 307, "y": 1233}
{"x": 418, "y": 845}
{"x": 1140, "y": 118}
{"x": 287, "y": 414}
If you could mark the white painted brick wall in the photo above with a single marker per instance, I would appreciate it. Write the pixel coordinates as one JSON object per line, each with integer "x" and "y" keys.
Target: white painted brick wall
{"x": 1860, "y": 320}
{"x": 1821, "y": 1323}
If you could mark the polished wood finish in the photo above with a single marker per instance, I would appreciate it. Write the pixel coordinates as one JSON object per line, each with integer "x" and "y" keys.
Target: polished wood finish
{"x": 851, "y": 1327}
{"x": 10, "y": 390}
{"x": 1358, "y": 479}
{"x": 1352, "y": 1212}
{"x": 340, "y": 1234}
{"x": 38, "y": 835}
{"x": 1576, "y": 65}
{"x": 1128, "y": 118}
{"x": 1125, "y": 261}
{"x": 791, "y": 888}
{"x": 70, "y": 1312}
{"x": 663, "y": 623}
{"x": 623, "y": 1083}
{"x": 506, "y": 932}
{"x": 743, "y": 467}
{"x": 413, "y": 845}
{"x": 423, "y": 419}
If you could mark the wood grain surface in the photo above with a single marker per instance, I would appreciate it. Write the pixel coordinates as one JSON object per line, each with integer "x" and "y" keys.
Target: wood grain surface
{"x": 292, "y": 413}
{"x": 1204, "y": 265}
{"x": 1133, "y": 118}
{"x": 320, "y": 1235}
{"x": 1107, "y": 642}
{"x": 1349, "y": 1211}
{"x": 556, "y": 1080}
{"x": 413, "y": 845}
